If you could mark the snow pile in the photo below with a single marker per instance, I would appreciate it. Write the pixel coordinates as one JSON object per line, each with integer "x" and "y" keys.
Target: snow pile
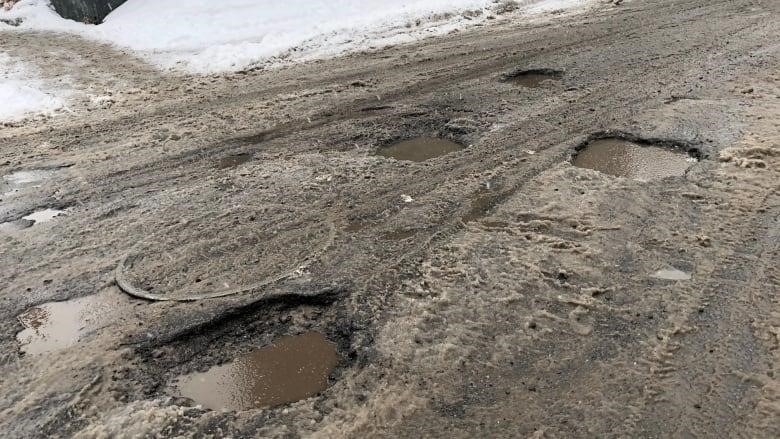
{"x": 205, "y": 36}
{"x": 22, "y": 92}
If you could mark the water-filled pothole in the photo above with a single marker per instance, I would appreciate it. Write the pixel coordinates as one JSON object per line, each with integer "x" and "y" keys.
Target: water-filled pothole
{"x": 233, "y": 161}
{"x": 57, "y": 325}
{"x": 534, "y": 78}
{"x": 420, "y": 149}
{"x": 290, "y": 369}
{"x": 623, "y": 158}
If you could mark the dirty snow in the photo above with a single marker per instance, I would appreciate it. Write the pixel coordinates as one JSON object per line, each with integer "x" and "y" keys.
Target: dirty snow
{"x": 203, "y": 36}
{"x": 22, "y": 92}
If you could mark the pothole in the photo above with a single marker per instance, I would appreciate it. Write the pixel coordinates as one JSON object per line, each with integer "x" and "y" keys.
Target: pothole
{"x": 291, "y": 369}
{"x": 671, "y": 274}
{"x": 624, "y": 158}
{"x": 224, "y": 252}
{"x": 420, "y": 149}
{"x": 58, "y": 325}
{"x": 233, "y": 161}
{"x": 534, "y": 78}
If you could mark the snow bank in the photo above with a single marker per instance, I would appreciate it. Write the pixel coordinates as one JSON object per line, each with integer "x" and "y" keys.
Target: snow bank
{"x": 206, "y": 36}
{"x": 22, "y": 92}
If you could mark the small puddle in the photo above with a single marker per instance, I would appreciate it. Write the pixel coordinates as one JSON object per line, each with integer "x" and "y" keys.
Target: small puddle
{"x": 291, "y": 369}
{"x": 233, "y": 161}
{"x": 622, "y": 158}
{"x": 420, "y": 149}
{"x": 671, "y": 274}
{"x": 43, "y": 216}
{"x": 532, "y": 78}
{"x": 57, "y": 325}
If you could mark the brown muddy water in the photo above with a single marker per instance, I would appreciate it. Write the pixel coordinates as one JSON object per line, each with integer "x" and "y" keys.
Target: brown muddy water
{"x": 622, "y": 158}
{"x": 290, "y": 369}
{"x": 420, "y": 149}
{"x": 233, "y": 161}
{"x": 58, "y": 325}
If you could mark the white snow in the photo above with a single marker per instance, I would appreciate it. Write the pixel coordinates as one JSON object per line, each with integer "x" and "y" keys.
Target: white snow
{"x": 44, "y": 216}
{"x": 207, "y": 36}
{"x": 22, "y": 93}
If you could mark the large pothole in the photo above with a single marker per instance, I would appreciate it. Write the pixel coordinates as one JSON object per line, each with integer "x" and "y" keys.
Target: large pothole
{"x": 290, "y": 369}
{"x": 632, "y": 159}
{"x": 262, "y": 354}
{"x": 420, "y": 149}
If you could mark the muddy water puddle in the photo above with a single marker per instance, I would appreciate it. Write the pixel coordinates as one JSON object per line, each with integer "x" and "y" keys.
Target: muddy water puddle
{"x": 622, "y": 158}
{"x": 233, "y": 161}
{"x": 290, "y": 369}
{"x": 420, "y": 149}
{"x": 58, "y": 325}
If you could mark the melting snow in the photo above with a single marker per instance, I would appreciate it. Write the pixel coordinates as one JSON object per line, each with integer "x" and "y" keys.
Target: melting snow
{"x": 22, "y": 93}
{"x": 204, "y": 36}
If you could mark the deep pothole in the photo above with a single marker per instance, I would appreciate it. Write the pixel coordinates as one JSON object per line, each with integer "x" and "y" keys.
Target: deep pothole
{"x": 262, "y": 355}
{"x": 532, "y": 78}
{"x": 635, "y": 159}
{"x": 420, "y": 149}
{"x": 290, "y": 369}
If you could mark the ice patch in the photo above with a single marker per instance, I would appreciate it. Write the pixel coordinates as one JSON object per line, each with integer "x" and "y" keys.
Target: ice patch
{"x": 671, "y": 274}
{"x": 44, "y": 216}
{"x": 22, "y": 93}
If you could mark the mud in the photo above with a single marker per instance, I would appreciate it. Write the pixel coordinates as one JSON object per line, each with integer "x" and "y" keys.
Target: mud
{"x": 233, "y": 161}
{"x": 419, "y": 149}
{"x": 531, "y": 312}
{"x": 291, "y": 369}
{"x": 622, "y": 158}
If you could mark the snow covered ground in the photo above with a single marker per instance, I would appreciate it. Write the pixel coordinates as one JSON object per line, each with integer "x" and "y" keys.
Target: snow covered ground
{"x": 207, "y": 36}
{"x": 23, "y": 93}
